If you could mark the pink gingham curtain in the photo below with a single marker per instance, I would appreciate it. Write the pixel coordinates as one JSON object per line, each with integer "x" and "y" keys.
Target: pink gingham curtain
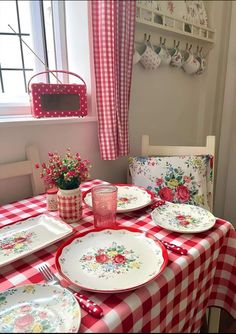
{"x": 113, "y": 26}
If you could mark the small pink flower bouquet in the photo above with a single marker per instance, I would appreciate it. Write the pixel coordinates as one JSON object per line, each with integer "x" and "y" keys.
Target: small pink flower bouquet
{"x": 64, "y": 172}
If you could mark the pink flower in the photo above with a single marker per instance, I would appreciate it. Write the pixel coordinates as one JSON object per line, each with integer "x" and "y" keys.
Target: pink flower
{"x": 166, "y": 194}
{"x": 37, "y": 165}
{"x": 24, "y": 321}
{"x": 7, "y": 246}
{"x": 119, "y": 258}
{"x": 180, "y": 217}
{"x": 102, "y": 258}
{"x": 20, "y": 239}
{"x": 159, "y": 181}
{"x": 183, "y": 194}
{"x": 25, "y": 308}
{"x": 42, "y": 315}
{"x": 184, "y": 222}
{"x": 187, "y": 179}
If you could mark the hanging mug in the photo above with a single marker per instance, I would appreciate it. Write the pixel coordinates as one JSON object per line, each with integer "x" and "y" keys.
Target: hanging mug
{"x": 202, "y": 62}
{"x": 149, "y": 59}
{"x": 163, "y": 53}
{"x": 176, "y": 57}
{"x": 190, "y": 64}
{"x": 136, "y": 57}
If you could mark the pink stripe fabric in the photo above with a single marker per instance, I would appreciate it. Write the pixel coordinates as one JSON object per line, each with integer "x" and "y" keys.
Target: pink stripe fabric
{"x": 113, "y": 26}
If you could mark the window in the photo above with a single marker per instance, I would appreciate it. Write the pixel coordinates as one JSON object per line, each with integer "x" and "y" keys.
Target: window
{"x": 36, "y": 25}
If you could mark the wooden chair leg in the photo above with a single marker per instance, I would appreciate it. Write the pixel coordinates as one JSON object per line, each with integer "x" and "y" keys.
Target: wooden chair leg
{"x": 213, "y": 320}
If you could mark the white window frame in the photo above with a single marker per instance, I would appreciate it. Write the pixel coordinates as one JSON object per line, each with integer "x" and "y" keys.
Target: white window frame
{"x": 21, "y": 106}
{"x": 72, "y": 46}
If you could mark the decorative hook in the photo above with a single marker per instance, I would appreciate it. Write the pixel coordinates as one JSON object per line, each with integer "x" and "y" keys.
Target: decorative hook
{"x": 190, "y": 47}
{"x": 177, "y": 45}
{"x": 160, "y": 40}
{"x": 200, "y": 51}
{"x": 149, "y": 37}
{"x": 164, "y": 41}
{"x": 145, "y": 37}
{"x": 186, "y": 46}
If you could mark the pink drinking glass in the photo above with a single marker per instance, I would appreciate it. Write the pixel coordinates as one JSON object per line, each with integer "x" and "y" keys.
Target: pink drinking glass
{"x": 104, "y": 202}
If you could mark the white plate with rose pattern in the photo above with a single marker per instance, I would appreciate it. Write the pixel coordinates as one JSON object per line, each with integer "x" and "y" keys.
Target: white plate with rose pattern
{"x": 183, "y": 218}
{"x": 27, "y": 236}
{"x": 111, "y": 260}
{"x": 39, "y": 308}
{"x": 129, "y": 197}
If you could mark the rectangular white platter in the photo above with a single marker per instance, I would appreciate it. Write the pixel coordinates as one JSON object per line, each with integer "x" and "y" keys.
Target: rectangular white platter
{"x": 27, "y": 236}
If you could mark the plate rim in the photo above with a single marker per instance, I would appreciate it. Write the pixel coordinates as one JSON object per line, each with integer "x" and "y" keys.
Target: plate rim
{"x": 124, "y": 185}
{"x": 94, "y": 230}
{"x": 57, "y": 286}
{"x": 183, "y": 231}
{"x": 40, "y": 247}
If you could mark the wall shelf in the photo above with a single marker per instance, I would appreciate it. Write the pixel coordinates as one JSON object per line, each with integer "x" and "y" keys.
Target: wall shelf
{"x": 157, "y": 19}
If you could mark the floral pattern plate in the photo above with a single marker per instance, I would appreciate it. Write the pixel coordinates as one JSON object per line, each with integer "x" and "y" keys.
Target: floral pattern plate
{"x": 27, "y": 236}
{"x": 39, "y": 308}
{"x": 183, "y": 218}
{"x": 129, "y": 197}
{"x": 111, "y": 260}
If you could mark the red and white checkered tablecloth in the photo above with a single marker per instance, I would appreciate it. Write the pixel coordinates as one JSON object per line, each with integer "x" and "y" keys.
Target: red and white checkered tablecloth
{"x": 174, "y": 302}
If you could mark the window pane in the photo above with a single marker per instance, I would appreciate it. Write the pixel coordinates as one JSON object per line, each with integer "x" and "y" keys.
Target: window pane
{"x": 8, "y": 16}
{"x": 13, "y": 82}
{"x": 24, "y": 12}
{"x": 10, "y": 51}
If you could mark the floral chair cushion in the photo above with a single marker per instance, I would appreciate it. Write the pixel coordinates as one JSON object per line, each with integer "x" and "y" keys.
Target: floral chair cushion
{"x": 177, "y": 179}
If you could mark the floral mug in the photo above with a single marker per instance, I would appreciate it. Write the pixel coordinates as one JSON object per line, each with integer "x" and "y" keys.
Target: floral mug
{"x": 190, "y": 64}
{"x": 149, "y": 59}
{"x": 176, "y": 57}
{"x": 164, "y": 54}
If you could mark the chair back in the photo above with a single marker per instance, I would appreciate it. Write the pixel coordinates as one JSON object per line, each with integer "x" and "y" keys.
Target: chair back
{"x": 25, "y": 167}
{"x": 156, "y": 161}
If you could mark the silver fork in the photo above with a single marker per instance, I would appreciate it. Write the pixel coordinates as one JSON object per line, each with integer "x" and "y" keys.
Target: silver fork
{"x": 89, "y": 306}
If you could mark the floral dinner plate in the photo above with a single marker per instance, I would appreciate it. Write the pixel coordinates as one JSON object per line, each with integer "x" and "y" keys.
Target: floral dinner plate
{"x": 27, "y": 236}
{"x": 130, "y": 197}
{"x": 39, "y": 308}
{"x": 111, "y": 260}
{"x": 183, "y": 218}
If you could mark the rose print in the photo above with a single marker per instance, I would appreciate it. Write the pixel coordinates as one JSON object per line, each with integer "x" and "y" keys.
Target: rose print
{"x": 25, "y": 320}
{"x": 110, "y": 261}
{"x": 183, "y": 194}
{"x": 166, "y": 194}
{"x": 101, "y": 258}
{"x": 119, "y": 259}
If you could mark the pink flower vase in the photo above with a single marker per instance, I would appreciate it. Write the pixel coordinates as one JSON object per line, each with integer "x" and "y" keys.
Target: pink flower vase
{"x": 69, "y": 205}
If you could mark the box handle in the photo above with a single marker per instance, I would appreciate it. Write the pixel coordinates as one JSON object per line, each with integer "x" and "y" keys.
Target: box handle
{"x": 60, "y": 71}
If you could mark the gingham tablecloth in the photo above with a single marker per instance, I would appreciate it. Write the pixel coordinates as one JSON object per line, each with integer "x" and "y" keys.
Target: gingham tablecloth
{"x": 174, "y": 302}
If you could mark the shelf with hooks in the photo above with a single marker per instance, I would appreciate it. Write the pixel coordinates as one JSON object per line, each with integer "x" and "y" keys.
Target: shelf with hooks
{"x": 157, "y": 19}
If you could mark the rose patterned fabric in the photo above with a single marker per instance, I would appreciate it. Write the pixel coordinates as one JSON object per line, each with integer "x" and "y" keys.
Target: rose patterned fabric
{"x": 177, "y": 179}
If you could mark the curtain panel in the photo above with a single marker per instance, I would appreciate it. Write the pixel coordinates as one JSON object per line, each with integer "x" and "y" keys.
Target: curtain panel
{"x": 113, "y": 28}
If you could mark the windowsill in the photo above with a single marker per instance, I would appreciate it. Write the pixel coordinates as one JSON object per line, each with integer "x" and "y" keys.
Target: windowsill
{"x": 18, "y": 120}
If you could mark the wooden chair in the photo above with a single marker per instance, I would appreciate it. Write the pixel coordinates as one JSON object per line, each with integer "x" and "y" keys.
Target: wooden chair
{"x": 25, "y": 167}
{"x": 209, "y": 149}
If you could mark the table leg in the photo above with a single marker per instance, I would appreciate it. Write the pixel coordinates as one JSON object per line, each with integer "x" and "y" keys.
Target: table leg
{"x": 213, "y": 320}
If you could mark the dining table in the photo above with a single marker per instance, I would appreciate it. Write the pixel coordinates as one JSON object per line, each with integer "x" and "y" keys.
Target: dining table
{"x": 174, "y": 302}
